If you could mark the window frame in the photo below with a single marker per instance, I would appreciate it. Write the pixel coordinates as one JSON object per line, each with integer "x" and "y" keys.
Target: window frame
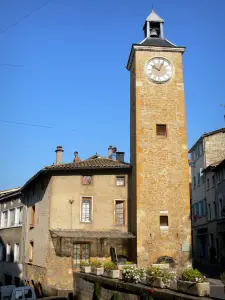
{"x": 32, "y": 215}
{"x": 124, "y": 212}
{"x": 157, "y": 130}
{"x": 31, "y": 251}
{"x": 121, "y": 176}
{"x": 81, "y": 259}
{"x": 91, "y": 209}
{"x": 16, "y": 257}
{"x": 82, "y": 179}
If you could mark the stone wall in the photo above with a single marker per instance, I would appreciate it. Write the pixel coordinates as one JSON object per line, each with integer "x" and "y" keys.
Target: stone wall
{"x": 160, "y": 163}
{"x": 84, "y": 287}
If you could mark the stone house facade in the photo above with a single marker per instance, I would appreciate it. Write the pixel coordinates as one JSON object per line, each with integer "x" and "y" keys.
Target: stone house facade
{"x": 215, "y": 198}
{"x": 75, "y": 212}
{"x": 11, "y": 237}
{"x": 207, "y": 151}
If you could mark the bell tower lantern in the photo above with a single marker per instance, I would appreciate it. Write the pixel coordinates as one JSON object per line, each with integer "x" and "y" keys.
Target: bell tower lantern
{"x": 153, "y": 27}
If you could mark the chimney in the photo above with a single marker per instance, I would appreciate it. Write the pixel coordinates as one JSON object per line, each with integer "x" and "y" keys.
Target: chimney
{"x": 120, "y": 156}
{"x": 59, "y": 151}
{"x": 112, "y": 152}
{"x": 76, "y": 157}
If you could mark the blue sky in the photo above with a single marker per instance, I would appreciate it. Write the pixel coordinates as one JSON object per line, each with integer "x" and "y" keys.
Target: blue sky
{"x": 74, "y": 78}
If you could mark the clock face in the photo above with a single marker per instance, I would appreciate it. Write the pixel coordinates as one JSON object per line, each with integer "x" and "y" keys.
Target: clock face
{"x": 159, "y": 70}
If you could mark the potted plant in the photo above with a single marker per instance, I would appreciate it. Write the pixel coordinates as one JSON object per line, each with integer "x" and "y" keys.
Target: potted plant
{"x": 111, "y": 270}
{"x": 131, "y": 274}
{"x": 85, "y": 267}
{"x": 96, "y": 267}
{"x": 160, "y": 278}
{"x": 193, "y": 282}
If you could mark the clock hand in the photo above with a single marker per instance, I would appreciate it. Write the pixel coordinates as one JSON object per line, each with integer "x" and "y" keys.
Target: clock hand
{"x": 161, "y": 66}
{"x": 156, "y": 68}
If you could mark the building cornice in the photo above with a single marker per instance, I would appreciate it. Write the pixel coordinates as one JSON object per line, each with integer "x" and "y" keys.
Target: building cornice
{"x": 136, "y": 47}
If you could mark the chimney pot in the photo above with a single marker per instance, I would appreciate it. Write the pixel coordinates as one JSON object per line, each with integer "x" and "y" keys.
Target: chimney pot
{"x": 59, "y": 151}
{"x": 111, "y": 152}
{"x": 76, "y": 157}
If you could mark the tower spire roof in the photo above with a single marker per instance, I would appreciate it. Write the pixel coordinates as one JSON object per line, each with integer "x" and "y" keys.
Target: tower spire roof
{"x": 153, "y": 17}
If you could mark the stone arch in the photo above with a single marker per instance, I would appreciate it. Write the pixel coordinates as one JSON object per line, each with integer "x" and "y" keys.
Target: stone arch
{"x": 166, "y": 260}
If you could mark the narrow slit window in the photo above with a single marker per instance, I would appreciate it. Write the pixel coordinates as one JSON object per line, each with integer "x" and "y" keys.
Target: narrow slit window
{"x": 161, "y": 130}
{"x": 32, "y": 216}
{"x": 119, "y": 212}
{"x": 31, "y": 247}
{"x": 86, "y": 210}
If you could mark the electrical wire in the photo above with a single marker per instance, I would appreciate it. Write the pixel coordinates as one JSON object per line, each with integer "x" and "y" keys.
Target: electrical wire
{"x": 25, "y": 17}
{"x": 29, "y": 124}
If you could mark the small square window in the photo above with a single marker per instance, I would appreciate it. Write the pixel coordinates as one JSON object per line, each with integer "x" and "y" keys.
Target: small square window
{"x": 164, "y": 221}
{"x": 161, "y": 130}
{"x": 86, "y": 180}
{"x": 120, "y": 180}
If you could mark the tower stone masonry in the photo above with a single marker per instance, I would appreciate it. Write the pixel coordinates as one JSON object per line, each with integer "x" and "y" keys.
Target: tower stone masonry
{"x": 160, "y": 206}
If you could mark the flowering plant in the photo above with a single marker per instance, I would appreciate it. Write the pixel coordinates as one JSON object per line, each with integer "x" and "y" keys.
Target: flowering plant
{"x": 84, "y": 264}
{"x": 132, "y": 274}
{"x": 166, "y": 275}
{"x": 193, "y": 275}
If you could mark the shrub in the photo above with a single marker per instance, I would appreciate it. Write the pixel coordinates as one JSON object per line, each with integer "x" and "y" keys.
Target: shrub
{"x": 193, "y": 275}
{"x": 85, "y": 264}
{"x": 115, "y": 297}
{"x": 222, "y": 278}
{"x": 97, "y": 291}
{"x": 128, "y": 263}
{"x": 110, "y": 266}
{"x": 96, "y": 264}
{"x": 166, "y": 275}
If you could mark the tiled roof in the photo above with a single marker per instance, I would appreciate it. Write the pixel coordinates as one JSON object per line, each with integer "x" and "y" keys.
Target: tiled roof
{"x": 157, "y": 42}
{"x": 205, "y": 134}
{"x": 7, "y": 192}
{"x": 98, "y": 163}
{"x": 89, "y": 234}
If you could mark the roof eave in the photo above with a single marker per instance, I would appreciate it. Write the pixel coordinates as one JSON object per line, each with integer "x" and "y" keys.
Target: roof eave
{"x": 9, "y": 195}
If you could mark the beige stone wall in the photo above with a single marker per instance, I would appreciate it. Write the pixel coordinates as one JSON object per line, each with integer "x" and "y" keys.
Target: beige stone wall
{"x": 160, "y": 163}
{"x": 104, "y": 192}
{"x": 39, "y": 234}
{"x": 214, "y": 148}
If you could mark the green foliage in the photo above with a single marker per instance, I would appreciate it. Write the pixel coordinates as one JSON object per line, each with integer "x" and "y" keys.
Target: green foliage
{"x": 109, "y": 265}
{"x": 116, "y": 297}
{"x": 193, "y": 275}
{"x": 222, "y": 278}
{"x": 128, "y": 263}
{"x": 96, "y": 264}
{"x": 97, "y": 291}
{"x": 166, "y": 275}
{"x": 147, "y": 295}
{"x": 85, "y": 264}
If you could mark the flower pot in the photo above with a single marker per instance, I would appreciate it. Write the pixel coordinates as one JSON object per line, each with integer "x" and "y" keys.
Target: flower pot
{"x": 155, "y": 282}
{"x": 193, "y": 288}
{"x": 97, "y": 271}
{"x": 143, "y": 280}
{"x": 111, "y": 273}
{"x": 173, "y": 285}
{"x": 86, "y": 269}
{"x": 121, "y": 276}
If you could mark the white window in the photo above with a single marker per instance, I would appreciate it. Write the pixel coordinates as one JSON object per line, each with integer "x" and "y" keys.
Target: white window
{"x": 86, "y": 209}
{"x": 8, "y": 252}
{"x": 4, "y": 219}
{"x": 120, "y": 212}
{"x": 16, "y": 252}
{"x": 11, "y": 221}
{"x": 120, "y": 180}
{"x": 1, "y": 252}
{"x": 19, "y": 215}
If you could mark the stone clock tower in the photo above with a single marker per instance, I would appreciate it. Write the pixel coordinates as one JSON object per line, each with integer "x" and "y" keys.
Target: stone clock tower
{"x": 160, "y": 206}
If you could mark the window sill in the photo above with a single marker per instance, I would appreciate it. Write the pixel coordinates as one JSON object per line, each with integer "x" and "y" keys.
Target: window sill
{"x": 86, "y": 222}
{"x": 164, "y": 227}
